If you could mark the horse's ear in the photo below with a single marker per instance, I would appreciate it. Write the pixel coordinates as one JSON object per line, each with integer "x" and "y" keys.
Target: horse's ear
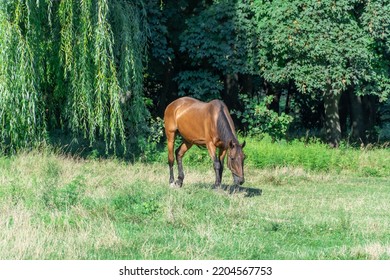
{"x": 231, "y": 144}
{"x": 243, "y": 144}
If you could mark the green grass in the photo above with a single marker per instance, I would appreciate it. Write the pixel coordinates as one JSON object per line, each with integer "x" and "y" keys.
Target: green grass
{"x": 315, "y": 203}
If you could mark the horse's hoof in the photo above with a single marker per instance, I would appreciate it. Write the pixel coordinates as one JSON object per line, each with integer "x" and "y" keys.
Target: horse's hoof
{"x": 176, "y": 185}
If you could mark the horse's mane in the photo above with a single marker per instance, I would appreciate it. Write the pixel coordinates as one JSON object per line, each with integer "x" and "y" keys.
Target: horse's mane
{"x": 225, "y": 132}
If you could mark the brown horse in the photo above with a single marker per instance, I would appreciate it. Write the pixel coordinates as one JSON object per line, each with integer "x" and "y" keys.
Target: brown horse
{"x": 203, "y": 124}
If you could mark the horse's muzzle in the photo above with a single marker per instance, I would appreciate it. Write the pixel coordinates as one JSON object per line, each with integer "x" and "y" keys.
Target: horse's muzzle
{"x": 238, "y": 180}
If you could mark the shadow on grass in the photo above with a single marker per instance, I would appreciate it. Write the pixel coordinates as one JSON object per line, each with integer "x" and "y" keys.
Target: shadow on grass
{"x": 80, "y": 147}
{"x": 248, "y": 191}
{"x": 233, "y": 189}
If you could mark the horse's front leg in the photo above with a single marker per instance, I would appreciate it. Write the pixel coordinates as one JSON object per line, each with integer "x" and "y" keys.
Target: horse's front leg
{"x": 218, "y": 172}
{"x": 217, "y": 164}
{"x": 184, "y": 147}
{"x": 221, "y": 156}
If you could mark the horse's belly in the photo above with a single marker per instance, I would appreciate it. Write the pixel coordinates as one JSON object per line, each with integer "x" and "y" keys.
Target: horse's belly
{"x": 193, "y": 136}
{"x": 193, "y": 131}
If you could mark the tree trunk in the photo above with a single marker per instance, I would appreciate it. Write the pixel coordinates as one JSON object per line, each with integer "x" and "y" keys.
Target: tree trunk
{"x": 332, "y": 119}
{"x": 358, "y": 130}
{"x": 165, "y": 96}
{"x": 290, "y": 93}
{"x": 230, "y": 96}
{"x": 270, "y": 91}
{"x": 370, "y": 108}
{"x": 246, "y": 82}
{"x": 344, "y": 113}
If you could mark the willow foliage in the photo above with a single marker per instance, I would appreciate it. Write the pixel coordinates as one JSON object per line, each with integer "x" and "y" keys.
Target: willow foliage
{"x": 73, "y": 64}
{"x": 22, "y": 119}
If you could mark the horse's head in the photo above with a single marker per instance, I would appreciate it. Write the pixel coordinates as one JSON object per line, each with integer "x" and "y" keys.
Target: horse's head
{"x": 236, "y": 161}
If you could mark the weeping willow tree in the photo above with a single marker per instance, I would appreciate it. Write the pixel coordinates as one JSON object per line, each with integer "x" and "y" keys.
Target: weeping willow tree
{"x": 71, "y": 64}
{"x": 22, "y": 119}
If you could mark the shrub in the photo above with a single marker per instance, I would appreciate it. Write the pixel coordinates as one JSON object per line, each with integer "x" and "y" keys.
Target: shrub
{"x": 260, "y": 120}
{"x": 149, "y": 146}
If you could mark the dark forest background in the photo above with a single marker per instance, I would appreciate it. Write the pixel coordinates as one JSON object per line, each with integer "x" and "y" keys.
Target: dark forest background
{"x": 105, "y": 70}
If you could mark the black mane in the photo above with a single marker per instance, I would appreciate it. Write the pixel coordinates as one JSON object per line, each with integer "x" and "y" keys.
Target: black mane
{"x": 225, "y": 132}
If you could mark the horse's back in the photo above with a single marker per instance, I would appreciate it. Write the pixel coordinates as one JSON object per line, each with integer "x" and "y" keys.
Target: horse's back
{"x": 192, "y": 107}
{"x": 195, "y": 120}
{"x": 182, "y": 101}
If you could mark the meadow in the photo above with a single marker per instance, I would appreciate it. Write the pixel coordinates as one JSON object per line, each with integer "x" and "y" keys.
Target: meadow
{"x": 299, "y": 201}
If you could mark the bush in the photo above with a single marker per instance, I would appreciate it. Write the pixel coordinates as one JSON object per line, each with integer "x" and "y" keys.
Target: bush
{"x": 260, "y": 120}
{"x": 314, "y": 155}
{"x": 150, "y": 146}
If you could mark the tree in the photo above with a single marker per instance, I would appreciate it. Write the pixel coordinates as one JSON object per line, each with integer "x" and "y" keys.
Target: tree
{"x": 199, "y": 48}
{"x": 220, "y": 39}
{"x": 22, "y": 117}
{"x": 324, "y": 48}
{"x": 74, "y": 65}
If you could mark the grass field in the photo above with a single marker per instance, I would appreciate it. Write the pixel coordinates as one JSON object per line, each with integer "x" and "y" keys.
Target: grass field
{"x": 54, "y": 206}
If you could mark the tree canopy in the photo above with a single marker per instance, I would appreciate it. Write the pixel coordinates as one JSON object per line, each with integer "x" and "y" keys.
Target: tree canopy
{"x": 70, "y": 65}
{"x": 313, "y": 50}
{"x": 325, "y": 48}
{"x": 99, "y": 69}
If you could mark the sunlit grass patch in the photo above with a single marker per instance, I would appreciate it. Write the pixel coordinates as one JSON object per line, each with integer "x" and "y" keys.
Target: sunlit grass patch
{"x": 59, "y": 207}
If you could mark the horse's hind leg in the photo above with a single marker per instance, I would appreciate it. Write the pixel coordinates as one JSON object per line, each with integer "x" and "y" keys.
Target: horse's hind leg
{"x": 184, "y": 147}
{"x": 171, "y": 157}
